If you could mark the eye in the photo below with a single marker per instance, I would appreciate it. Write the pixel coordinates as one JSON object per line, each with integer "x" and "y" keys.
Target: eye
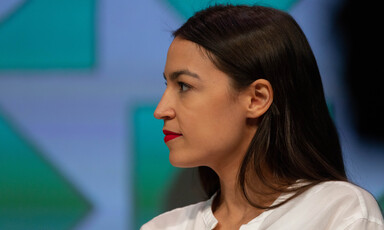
{"x": 183, "y": 87}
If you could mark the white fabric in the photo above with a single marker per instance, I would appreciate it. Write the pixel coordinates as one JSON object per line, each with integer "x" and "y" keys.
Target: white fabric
{"x": 332, "y": 205}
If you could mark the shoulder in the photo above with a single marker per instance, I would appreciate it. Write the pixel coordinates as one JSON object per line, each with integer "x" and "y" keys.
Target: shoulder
{"x": 339, "y": 191}
{"x": 348, "y": 201}
{"x": 329, "y": 205}
{"x": 177, "y": 218}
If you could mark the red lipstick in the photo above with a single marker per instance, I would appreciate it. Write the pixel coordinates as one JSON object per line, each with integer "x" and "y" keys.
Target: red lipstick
{"x": 170, "y": 135}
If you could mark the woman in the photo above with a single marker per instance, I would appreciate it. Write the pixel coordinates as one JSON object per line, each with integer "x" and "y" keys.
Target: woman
{"x": 244, "y": 102}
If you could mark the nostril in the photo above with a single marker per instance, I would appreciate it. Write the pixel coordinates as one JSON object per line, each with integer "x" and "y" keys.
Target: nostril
{"x": 166, "y": 114}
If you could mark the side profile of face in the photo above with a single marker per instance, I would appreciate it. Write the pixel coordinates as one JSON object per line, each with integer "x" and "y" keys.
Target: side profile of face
{"x": 207, "y": 117}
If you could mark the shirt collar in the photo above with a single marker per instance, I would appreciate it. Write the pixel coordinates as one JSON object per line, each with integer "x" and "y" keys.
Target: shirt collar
{"x": 210, "y": 221}
{"x": 208, "y": 217}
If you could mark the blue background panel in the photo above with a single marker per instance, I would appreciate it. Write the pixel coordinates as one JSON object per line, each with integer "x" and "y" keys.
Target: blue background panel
{"x": 79, "y": 81}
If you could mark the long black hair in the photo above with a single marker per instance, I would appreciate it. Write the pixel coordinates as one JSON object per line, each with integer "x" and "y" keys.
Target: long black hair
{"x": 296, "y": 138}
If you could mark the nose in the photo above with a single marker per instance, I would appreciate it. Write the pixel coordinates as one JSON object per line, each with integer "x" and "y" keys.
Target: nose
{"x": 164, "y": 109}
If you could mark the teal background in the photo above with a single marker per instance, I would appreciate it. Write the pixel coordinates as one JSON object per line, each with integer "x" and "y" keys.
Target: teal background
{"x": 49, "y": 34}
{"x": 189, "y": 7}
{"x": 33, "y": 194}
{"x": 79, "y": 81}
{"x": 153, "y": 173}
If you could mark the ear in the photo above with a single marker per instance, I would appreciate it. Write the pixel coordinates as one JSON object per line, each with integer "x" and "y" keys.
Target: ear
{"x": 258, "y": 98}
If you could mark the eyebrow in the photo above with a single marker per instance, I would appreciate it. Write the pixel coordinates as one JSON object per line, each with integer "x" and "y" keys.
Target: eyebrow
{"x": 174, "y": 75}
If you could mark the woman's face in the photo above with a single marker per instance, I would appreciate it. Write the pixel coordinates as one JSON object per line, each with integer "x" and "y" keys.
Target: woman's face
{"x": 202, "y": 110}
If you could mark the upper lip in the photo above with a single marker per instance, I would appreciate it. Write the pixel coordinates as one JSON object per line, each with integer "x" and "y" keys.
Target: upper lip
{"x": 167, "y": 132}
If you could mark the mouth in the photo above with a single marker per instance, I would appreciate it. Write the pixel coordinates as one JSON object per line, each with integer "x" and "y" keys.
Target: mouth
{"x": 170, "y": 135}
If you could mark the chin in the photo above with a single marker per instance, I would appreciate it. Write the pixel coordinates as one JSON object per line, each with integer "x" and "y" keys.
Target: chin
{"x": 181, "y": 161}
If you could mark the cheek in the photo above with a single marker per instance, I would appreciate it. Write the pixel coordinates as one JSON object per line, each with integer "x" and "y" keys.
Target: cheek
{"x": 214, "y": 121}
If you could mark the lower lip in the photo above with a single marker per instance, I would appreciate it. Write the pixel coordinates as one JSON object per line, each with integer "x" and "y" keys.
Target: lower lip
{"x": 170, "y": 137}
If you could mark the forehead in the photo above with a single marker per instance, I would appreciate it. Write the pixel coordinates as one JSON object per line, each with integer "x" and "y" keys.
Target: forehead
{"x": 183, "y": 51}
{"x": 187, "y": 55}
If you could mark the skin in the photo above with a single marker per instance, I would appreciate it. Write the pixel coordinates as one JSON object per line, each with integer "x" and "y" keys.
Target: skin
{"x": 217, "y": 123}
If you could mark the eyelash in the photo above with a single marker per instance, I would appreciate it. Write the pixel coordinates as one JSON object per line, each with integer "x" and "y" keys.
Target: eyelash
{"x": 181, "y": 85}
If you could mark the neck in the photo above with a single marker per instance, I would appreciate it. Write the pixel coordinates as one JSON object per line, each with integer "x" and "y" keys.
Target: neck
{"x": 231, "y": 197}
{"x": 231, "y": 206}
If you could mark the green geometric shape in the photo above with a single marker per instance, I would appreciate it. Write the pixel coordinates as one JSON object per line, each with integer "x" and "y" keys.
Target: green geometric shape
{"x": 33, "y": 194}
{"x": 186, "y": 8}
{"x": 381, "y": 203}
{"x": 153, "y": 173}
{"x": 46, "y": 34}
{"x": 331, "y": 109}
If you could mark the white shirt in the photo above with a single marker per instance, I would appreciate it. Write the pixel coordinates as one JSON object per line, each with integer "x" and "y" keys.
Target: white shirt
{"x": 330, "y": 205}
